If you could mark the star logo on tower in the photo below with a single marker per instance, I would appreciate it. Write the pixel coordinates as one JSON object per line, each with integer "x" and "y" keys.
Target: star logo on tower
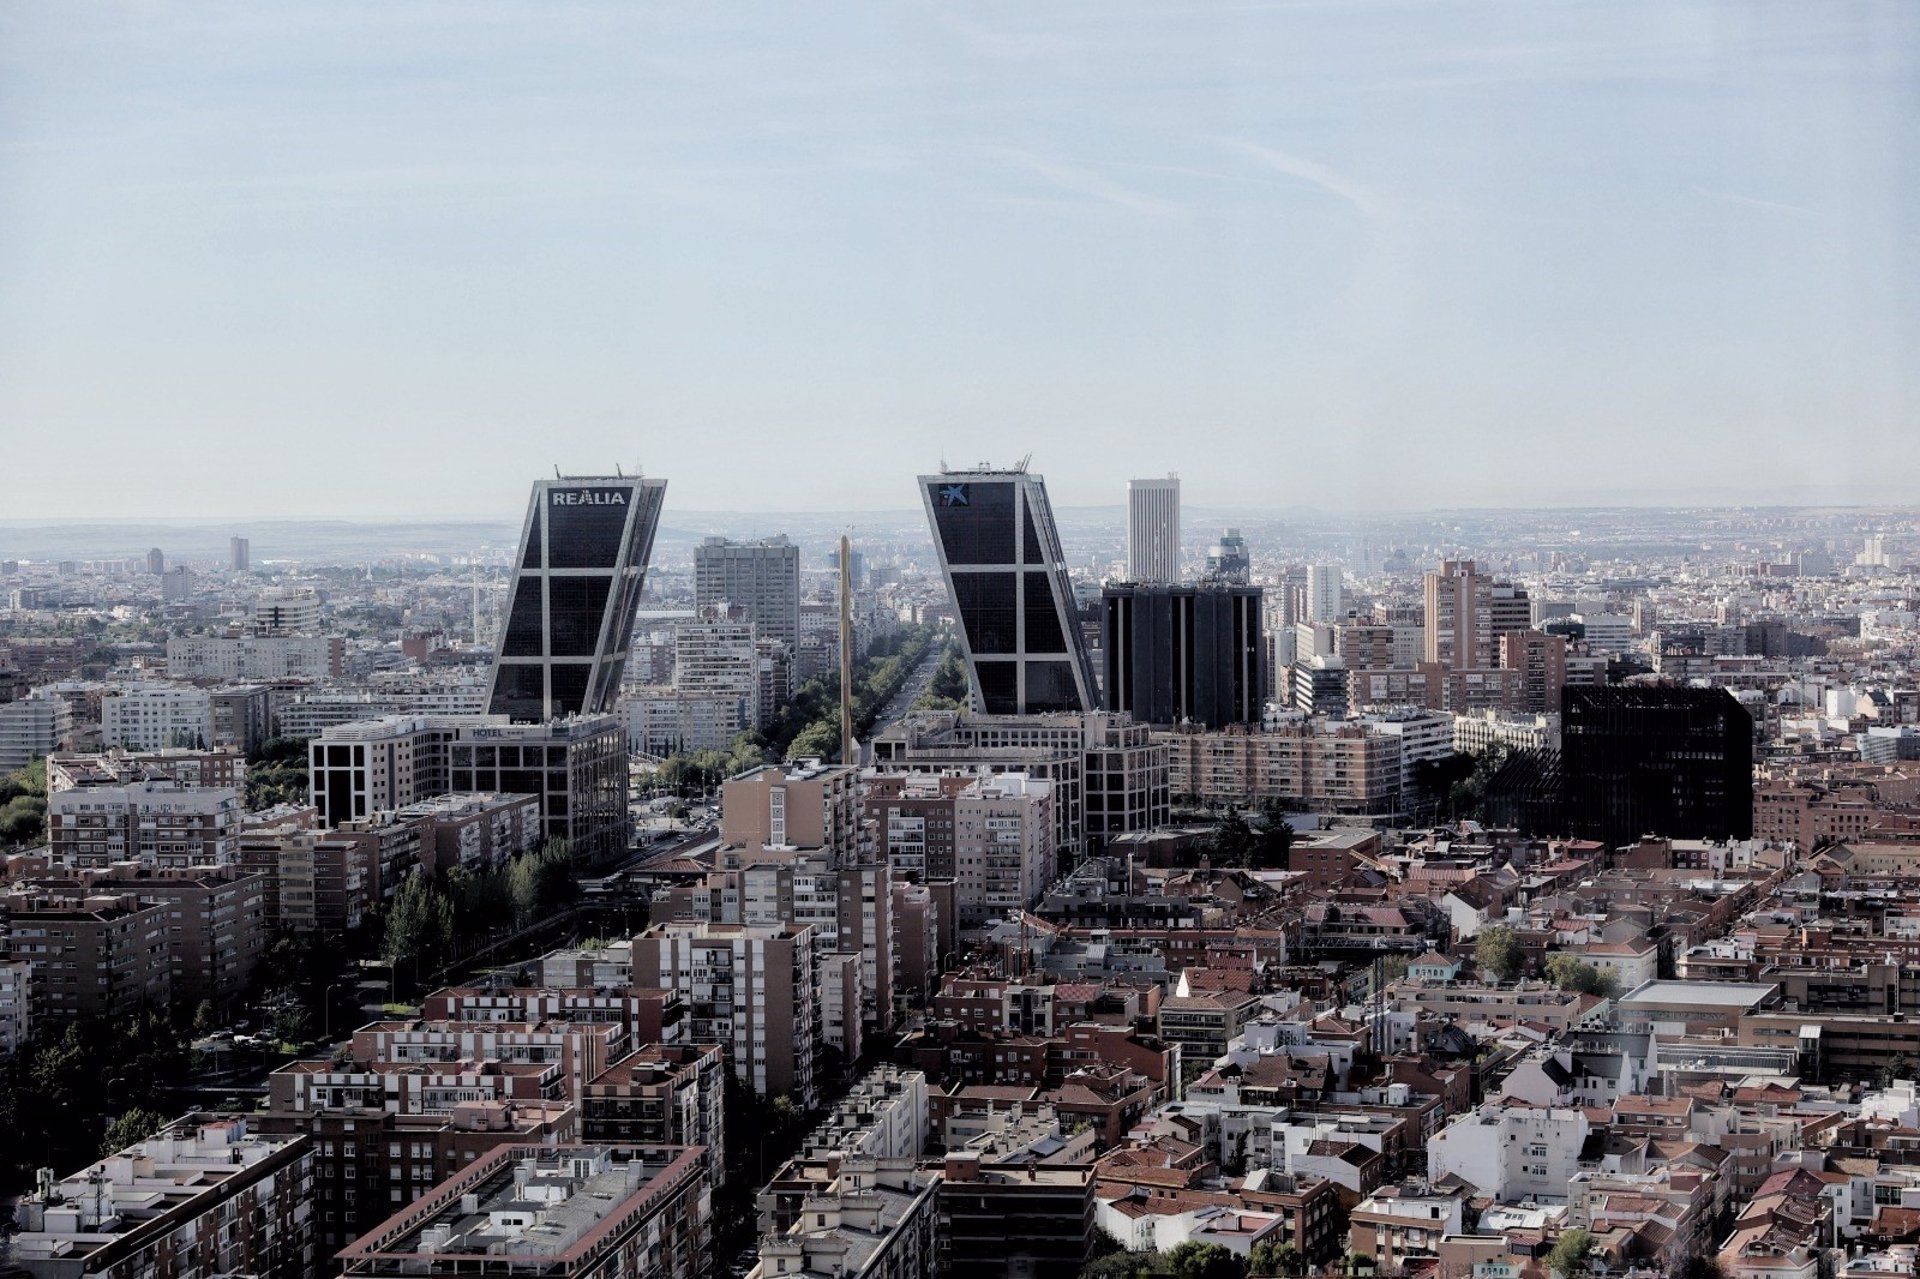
{"x": 953, "y": 495}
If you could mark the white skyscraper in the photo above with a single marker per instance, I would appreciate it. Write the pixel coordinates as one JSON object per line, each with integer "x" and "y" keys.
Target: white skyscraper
{"x": 1153, "y": 530}
{"x": 1325, "y": 597}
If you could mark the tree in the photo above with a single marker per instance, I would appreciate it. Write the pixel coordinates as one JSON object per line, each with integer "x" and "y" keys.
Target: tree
{"x": 1204, "y": 1261}
{"x": 1570, "y": 972}
{"x": 1232, "y": 841}
{"x": 1276, "y": 1259}
{"x": 1569, "y": 1257}
{"x": 420, "y": 926}
{"x": 133, "y": 1125}
{"x": 1497, "y": 950}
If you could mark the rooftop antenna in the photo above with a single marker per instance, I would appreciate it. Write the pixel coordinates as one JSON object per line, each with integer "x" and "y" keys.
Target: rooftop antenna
{"x": 1021, "y": 465}
{"x": 618, "y": 473}
{"x": 556, "y": 472}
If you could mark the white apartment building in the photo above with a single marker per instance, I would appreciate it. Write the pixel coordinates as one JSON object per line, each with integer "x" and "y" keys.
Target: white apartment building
{"x": 1003, "y": 846}
{"x": 1423, "y": 735}
{"x": 156, "y": 823}
{"x": 1513, "y": 1153}
{"x": 151, "y": 717}
{"x": 253, "y": 657}
{"x": 287, "y": 612}
{"x": 663, "y": 721}
{"x": 1475, "y": 731}
{"x": 1607, "y": 633}
{"x": 715, "y": 656}
{"x": 32, "y": 728}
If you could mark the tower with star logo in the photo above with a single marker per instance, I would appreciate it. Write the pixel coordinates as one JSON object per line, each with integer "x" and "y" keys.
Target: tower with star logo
{"x": 1007, "y": 577}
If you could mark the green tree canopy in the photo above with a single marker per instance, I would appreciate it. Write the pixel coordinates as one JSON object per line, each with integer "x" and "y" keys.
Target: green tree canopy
{"x": 1497, "y": 950}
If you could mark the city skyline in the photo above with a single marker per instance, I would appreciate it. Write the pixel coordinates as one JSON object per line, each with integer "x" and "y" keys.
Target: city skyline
{"x": 1469, "y": 257}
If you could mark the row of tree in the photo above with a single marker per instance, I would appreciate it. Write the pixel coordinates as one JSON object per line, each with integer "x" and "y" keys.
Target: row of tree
{"x": 71, "y": 1089}
{"x": 433, "y": 914}
{"x": 277, "y": 773}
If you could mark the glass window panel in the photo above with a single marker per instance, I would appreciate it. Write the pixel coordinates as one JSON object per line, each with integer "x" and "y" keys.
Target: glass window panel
{"x": 532, "y": 557}
{"x": 1050, "y": 687}
{"x": 520, "y": 692}
{"x": 987, "y": 610}
{"x": 569, "y": 686}
{"x": 575, "y": 607}
{"x": 999, "y": 687}
{"x": 523, "y": 636}
{"x": 1043, "y": 621}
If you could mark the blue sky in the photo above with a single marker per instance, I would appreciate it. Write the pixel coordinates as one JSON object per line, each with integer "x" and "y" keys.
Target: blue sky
{"x": 376, "y": 259}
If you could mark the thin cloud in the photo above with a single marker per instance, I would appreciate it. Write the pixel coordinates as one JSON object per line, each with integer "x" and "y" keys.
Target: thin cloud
{"x": 1370, "y": 204}
{"x": 1085, "y": 182}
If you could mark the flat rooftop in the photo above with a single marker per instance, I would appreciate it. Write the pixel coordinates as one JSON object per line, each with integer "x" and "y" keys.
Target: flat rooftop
{"x": 1701, "y": 994}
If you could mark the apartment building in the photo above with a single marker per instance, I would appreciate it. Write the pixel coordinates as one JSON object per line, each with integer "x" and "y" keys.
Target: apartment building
{"x": 205, "y": 1197}
{"x": 805, "y": 806}
{"x": 220, "y": 767}
{"x": 751, "y": 989}
{"x": 256, "y": 657}
{"x": 97, "y": 956}
{"x": 1329, "y": 767}
{"x": 573, "y": 1211}
{"x": 149, "y": 717}
{"x": 156, "y": 823}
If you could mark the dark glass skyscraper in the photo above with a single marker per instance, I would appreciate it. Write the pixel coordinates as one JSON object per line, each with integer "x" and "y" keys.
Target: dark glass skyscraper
{"x": 1640, "y": 761}
{"x": 576, "y": 586}
{"x": 1184, "y": 653}
{"x": 1007, "y": 576}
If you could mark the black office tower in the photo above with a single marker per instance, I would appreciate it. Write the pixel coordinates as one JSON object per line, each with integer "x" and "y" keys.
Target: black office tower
{"x": 1007, "y": 576}
{"x": 1676, "y": 762}
{"x": 576, "y": 587}
{"x": 1184, "y": 653}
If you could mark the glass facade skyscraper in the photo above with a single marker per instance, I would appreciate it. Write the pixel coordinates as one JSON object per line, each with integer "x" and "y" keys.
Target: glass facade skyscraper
{"x": 576, "y": 586}
{"x": 1184, "y": 653}
{"x": 1007, "y": 577}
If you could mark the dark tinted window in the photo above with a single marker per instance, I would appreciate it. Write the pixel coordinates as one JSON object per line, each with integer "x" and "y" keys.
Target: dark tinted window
{"x": 1034, "y": 555}
{"x": 1050, "y": 687}
{"x": 532, "y": 558}
{"x": 585, "y": 525}
{"x": 986, "y": 602}
{"x": 569, "y": 686}
{"x": 575, "y": 606}
{"x": 1043, "y": 622}
{"x": 523, "y": 621}
{"x": 520, "y": 691}
{"x": 975, "y": 520}
{"x": 999, "y": 687}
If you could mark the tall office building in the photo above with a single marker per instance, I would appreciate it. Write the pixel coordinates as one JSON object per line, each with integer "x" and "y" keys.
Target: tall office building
{"x": 1228, "y": 560}
{"x": 1153, "y": 530}
{"x": 1185, "y": 653}
{"x": 762, "y": 578}
{"x": 1326, "y": 596}
{"x": 1674, "y": 762}
{"x": 576, "y": 586}
{"x": 156, "y": 562}
{"x": 240, "y": 554}
{"x": 1007, "y": 576}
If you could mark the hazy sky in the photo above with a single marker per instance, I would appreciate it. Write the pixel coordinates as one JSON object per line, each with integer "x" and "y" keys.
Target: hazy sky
{"x": 395, "y": 258}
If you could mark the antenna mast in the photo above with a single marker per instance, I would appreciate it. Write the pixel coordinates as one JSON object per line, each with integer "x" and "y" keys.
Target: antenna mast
{"x": 846, "y": 652}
